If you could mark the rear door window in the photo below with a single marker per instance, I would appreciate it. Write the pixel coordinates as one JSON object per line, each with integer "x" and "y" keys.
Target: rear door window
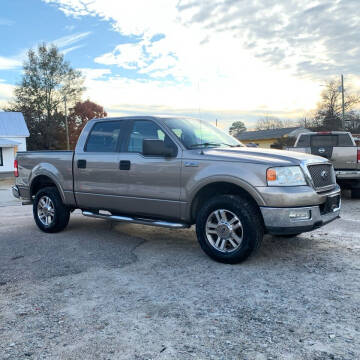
{"x": 104, "y": 137}
{"x": 345, "y": 140}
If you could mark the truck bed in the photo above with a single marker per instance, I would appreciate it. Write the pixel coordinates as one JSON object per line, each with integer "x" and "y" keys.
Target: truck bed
{"x": 58, "y": 163}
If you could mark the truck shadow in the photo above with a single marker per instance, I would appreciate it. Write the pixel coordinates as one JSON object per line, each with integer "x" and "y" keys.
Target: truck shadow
{"x": 307, "y": 250}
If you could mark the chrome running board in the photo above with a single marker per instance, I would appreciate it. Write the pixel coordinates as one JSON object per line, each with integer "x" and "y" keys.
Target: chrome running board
{"x": 141, "y": 221}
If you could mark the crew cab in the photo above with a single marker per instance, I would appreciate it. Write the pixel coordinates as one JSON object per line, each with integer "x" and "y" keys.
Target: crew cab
{"x": 176, "y": 172}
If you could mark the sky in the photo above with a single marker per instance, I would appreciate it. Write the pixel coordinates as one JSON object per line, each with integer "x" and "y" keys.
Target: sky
{"x": 211, "y": 59}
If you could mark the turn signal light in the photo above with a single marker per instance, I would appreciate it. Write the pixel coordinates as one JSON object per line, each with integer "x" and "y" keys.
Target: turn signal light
{"x": 271, "y": 175}
{"x": 16, "y": 169}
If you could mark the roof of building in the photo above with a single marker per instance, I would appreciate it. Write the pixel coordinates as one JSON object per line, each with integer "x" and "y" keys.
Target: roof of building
{"x": 13, "y": 124}
{"x": 269, "y": 134}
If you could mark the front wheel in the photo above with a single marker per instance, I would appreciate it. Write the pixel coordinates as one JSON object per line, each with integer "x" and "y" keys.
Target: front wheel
{"x": 50, "y": 214}
{"x": 229, "y": 228}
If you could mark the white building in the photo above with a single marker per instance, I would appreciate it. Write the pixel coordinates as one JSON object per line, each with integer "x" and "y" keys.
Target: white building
{"x": 13, "y": 134}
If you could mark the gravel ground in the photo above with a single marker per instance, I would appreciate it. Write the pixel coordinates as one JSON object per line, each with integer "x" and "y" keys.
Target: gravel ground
{"x": 101, "y": 290}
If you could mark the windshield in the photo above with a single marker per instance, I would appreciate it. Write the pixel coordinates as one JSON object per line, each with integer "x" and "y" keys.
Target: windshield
{"x": 195, "y": 133}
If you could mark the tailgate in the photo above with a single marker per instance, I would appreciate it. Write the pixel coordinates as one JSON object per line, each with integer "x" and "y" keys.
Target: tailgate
{"x": 344, "y": 157}
{"x": 336, "y": 148}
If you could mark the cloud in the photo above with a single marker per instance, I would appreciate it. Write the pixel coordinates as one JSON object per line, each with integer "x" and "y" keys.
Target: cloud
{"x": 8, "y": 63}
{"x": 223, "y": 54}
{"x": 92, "y": 74}
{"x": 6, "y": 92}
{"x": 70, "y": 39}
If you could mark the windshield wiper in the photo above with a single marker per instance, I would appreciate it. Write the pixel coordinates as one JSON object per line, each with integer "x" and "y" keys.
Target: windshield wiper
{"x": 212, "y": 144}
{"x": 231, "y": 145}
{"x": 203, "y": 144}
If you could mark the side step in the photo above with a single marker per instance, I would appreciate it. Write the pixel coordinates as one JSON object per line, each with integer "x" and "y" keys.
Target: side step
{"x": 141, "y": 221}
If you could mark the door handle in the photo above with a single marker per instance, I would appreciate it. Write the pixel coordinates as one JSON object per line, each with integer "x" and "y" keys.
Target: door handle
{"x": 81, "y": 164}
{"x": 125, "y": 165}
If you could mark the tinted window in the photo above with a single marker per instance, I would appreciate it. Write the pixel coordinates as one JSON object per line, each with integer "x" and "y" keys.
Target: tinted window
{"x": 324, "y": 140}
{"x": 304, "y": 141}
{"x": 195, "y": 133}
{"x": 144, "y": 129}
{"x": 345, "y": 140}
{"x": 104, "y": 137}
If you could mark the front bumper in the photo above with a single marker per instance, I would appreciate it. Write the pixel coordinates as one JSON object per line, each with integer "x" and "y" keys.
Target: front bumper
{"x": 278, "y": 222}
{"x": 347, "y": 174}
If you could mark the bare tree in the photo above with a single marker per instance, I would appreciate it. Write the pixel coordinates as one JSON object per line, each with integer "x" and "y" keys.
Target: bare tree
{"x": 269, "y": 122}
{"x": 329, "y": 110}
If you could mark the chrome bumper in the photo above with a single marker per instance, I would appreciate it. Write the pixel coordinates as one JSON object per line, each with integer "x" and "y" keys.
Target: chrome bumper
{"x": 347, "y": 174}
{"x": 278, "y": 222}
{"x": 15, "y": 192}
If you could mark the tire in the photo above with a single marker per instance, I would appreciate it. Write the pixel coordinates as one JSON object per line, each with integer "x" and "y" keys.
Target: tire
{"x": 248, "y": 228}
{"x": 355, "y": 193}
{"x": 50, "y": 214}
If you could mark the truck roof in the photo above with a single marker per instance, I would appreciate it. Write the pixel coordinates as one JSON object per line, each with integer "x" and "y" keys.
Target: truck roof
{"x": 140, "y": 117}
{"x": 326, "y": 133}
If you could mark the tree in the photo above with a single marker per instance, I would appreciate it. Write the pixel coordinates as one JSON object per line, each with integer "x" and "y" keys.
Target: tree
{"x": 237, "y": 128}
{"x": 328, "y": 114}
{"x": 80, "y": 115}
{"x": 269, "y": 122}
{"x": 47, "y": 79}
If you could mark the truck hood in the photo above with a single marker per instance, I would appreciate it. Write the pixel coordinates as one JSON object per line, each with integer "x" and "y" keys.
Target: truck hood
{"x": 260, "y": 156}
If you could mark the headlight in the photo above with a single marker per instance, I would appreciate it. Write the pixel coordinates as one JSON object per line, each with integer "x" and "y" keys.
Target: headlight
{"x": 285, "y": 176}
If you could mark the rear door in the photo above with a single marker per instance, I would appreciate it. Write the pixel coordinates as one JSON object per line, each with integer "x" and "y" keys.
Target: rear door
{"x": 98, "y": 181}
{"x": 153, "y": 181}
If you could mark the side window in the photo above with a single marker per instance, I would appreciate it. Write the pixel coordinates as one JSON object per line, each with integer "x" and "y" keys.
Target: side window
{"x": 345, "y": 140}
{"x": 144, "y": 129}
{"x": 104, "y": 137}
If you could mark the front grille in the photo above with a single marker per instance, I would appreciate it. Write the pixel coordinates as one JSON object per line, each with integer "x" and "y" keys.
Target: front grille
{"x": 323, "y": 176}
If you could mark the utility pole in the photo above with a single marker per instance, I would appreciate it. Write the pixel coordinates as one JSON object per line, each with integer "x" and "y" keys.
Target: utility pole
{"x": 216, "y": 122}
{"x": 66, "y": 126}
{"x": 343, "y": 105}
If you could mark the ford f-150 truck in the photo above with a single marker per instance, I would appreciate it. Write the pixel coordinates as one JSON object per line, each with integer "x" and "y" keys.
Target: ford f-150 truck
{"x": 176, "y": 172}
{"x": 338, "y": 147}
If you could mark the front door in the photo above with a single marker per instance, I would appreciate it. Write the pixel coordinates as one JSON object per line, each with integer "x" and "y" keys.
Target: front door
{"x": 153, "y": 181}
{"x": 99, "y": 183}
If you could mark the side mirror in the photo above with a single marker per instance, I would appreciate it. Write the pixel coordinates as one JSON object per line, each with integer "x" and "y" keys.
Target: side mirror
{"x": 154, "y": 147}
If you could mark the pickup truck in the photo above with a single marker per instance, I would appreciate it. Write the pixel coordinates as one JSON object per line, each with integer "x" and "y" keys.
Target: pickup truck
{"x": 176, "y": 172}
{"x": 340, "y": 148}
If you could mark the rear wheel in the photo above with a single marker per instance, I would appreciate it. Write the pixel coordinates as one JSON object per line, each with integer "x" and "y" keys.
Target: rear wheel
{"x": 50, "y": 214}
{"x": 229, "y": 228}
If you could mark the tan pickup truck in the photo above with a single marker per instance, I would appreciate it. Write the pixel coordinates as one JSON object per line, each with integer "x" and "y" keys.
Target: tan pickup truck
{"x": 176, "y": 172}
{"x": 340, "y": 148}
